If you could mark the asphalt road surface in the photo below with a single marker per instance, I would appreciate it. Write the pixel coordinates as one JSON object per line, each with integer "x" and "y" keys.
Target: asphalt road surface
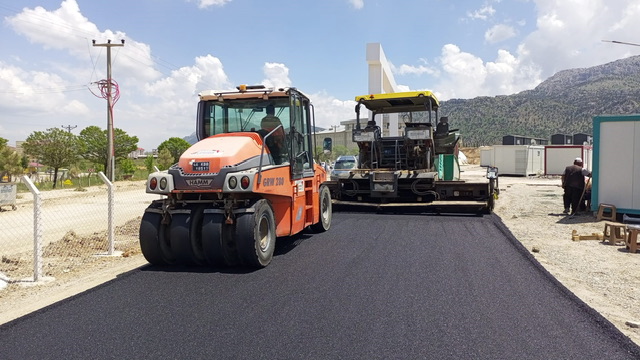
{"x": 376, "y": 286}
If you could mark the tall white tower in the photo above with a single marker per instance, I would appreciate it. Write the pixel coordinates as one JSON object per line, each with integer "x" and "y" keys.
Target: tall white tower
{"x": 381, "y": 81}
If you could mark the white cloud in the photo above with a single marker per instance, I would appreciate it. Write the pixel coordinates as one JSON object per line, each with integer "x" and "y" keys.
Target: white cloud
{"x": 330, "y": 111}
{"x": 203, "y": 4}
{"x": 75, "y": 108}
{"x": 466, "y": 75}
{"x": 483, "y": 13}
{"x": 465, "y": 72}
{"x": 35, "y": 100}
{"x": 30, "y": 90}
{"x": 62, "y": 29}
{"x": 413, "y": 70}
{"x": 277, "y": 75}
{"x": 506, "y": 75}
{"x": 569, "y": 33}
{"x": 207, "y": 73}
{"x": 66, "y": 29}
{"x": 149, "y": 99}
{"x": 498, "y": 33}
{"x": 357, "y": 4}
{"x": 628, "y": 17}
{"x": 171, "y": 101}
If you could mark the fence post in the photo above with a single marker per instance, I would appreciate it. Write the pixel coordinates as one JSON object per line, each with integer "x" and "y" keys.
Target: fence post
{"x": 110, "y": 228}
{"x": 37, "y": 228}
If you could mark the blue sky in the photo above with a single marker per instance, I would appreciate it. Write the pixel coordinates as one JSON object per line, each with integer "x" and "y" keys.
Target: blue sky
{"x": 177, "y": 48}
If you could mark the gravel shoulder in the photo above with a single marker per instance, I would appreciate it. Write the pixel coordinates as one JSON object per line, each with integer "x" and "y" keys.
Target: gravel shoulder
{"x": 604, "y": 276}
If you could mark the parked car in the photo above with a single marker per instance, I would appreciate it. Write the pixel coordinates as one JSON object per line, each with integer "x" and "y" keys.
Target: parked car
{"x": 344, "y": 164}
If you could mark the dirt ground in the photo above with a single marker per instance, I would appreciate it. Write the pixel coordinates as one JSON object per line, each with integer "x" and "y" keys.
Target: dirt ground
{"x": 604, "y": 276}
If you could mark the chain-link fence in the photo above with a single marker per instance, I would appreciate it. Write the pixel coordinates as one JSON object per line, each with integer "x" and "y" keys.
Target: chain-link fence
{"x": 56, "y": 233}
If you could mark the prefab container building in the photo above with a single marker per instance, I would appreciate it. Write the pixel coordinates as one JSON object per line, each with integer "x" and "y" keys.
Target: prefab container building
{"x": 513, "y": 140}
{"x": 558, "y": 157}
{"x": 523, "y": 140}
{"x": 616, "y": 162}
{"x": 486, "y": 156}
{"x": 561, "y": 139}
{"x": 582, "y": 139}
{"x": 519, "y": 160}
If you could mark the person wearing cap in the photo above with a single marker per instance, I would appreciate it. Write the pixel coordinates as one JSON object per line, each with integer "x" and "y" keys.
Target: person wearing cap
{"x": 275, "y": 142}
{"x": 573, "y": 184}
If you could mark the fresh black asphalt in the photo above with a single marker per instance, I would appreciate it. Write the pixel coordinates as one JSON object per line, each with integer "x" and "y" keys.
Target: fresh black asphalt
{"x": 375, "y": 286}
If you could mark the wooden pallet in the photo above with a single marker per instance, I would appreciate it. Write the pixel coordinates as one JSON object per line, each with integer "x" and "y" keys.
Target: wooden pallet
{"x": 593, "y": 236}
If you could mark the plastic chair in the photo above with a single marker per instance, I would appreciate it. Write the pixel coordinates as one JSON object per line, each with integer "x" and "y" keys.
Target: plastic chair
{"x": 606, "y": 212}
{"x": 632, "y": 242}
{"x": 615, "y": 232}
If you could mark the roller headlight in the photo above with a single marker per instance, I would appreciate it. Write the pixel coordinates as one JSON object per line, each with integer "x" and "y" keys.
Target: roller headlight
{"x": 233, "y": 182}
{"x": 163, "y": 183}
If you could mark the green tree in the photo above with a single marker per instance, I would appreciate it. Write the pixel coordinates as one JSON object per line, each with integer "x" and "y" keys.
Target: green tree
{"x": 55, "y": 148}
{"x": 148, "y": 163}
{"x": 96, "y": 143}
{"x": 321, "y": 156}
{"x": 339, "y": 150}
{"x": 165, "y": 160}
{"x": 336, "y": 151}
{"x": 127, "y": 167}
{"x": 176, "y": 147}
{"x": 10, "y": 162}
{"x": 24, "y": 161}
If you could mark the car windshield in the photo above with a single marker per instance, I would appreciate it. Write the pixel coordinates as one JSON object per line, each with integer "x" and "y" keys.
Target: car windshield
{"x": 417, "y": 117}
{"x": 345, "y": 164}
{"x": 241, "y": 115}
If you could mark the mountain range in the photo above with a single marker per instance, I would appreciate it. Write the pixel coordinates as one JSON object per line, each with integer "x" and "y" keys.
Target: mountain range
{"x": 565, "y": 103}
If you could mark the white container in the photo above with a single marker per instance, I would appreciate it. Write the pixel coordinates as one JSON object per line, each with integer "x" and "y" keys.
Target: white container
{"x": 8, "y": 195}
{"x": 558, "y": 157}
{"x": 520, "y": 160}
{"x": 616, "y": 162}
{"x": 486, "y": 156}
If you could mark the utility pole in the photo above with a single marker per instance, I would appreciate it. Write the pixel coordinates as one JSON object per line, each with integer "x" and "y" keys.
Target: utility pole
{"x": 69, "y": 127}
{"x": 111, "y": 149}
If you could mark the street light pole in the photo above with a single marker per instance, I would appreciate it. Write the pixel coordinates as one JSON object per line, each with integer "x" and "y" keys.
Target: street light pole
{"x": 621, "y": 42}
{"x": 111, "y": 148}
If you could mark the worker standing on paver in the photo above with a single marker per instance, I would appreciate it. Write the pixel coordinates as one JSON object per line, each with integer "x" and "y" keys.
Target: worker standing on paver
{"x": 573, "y": 185}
